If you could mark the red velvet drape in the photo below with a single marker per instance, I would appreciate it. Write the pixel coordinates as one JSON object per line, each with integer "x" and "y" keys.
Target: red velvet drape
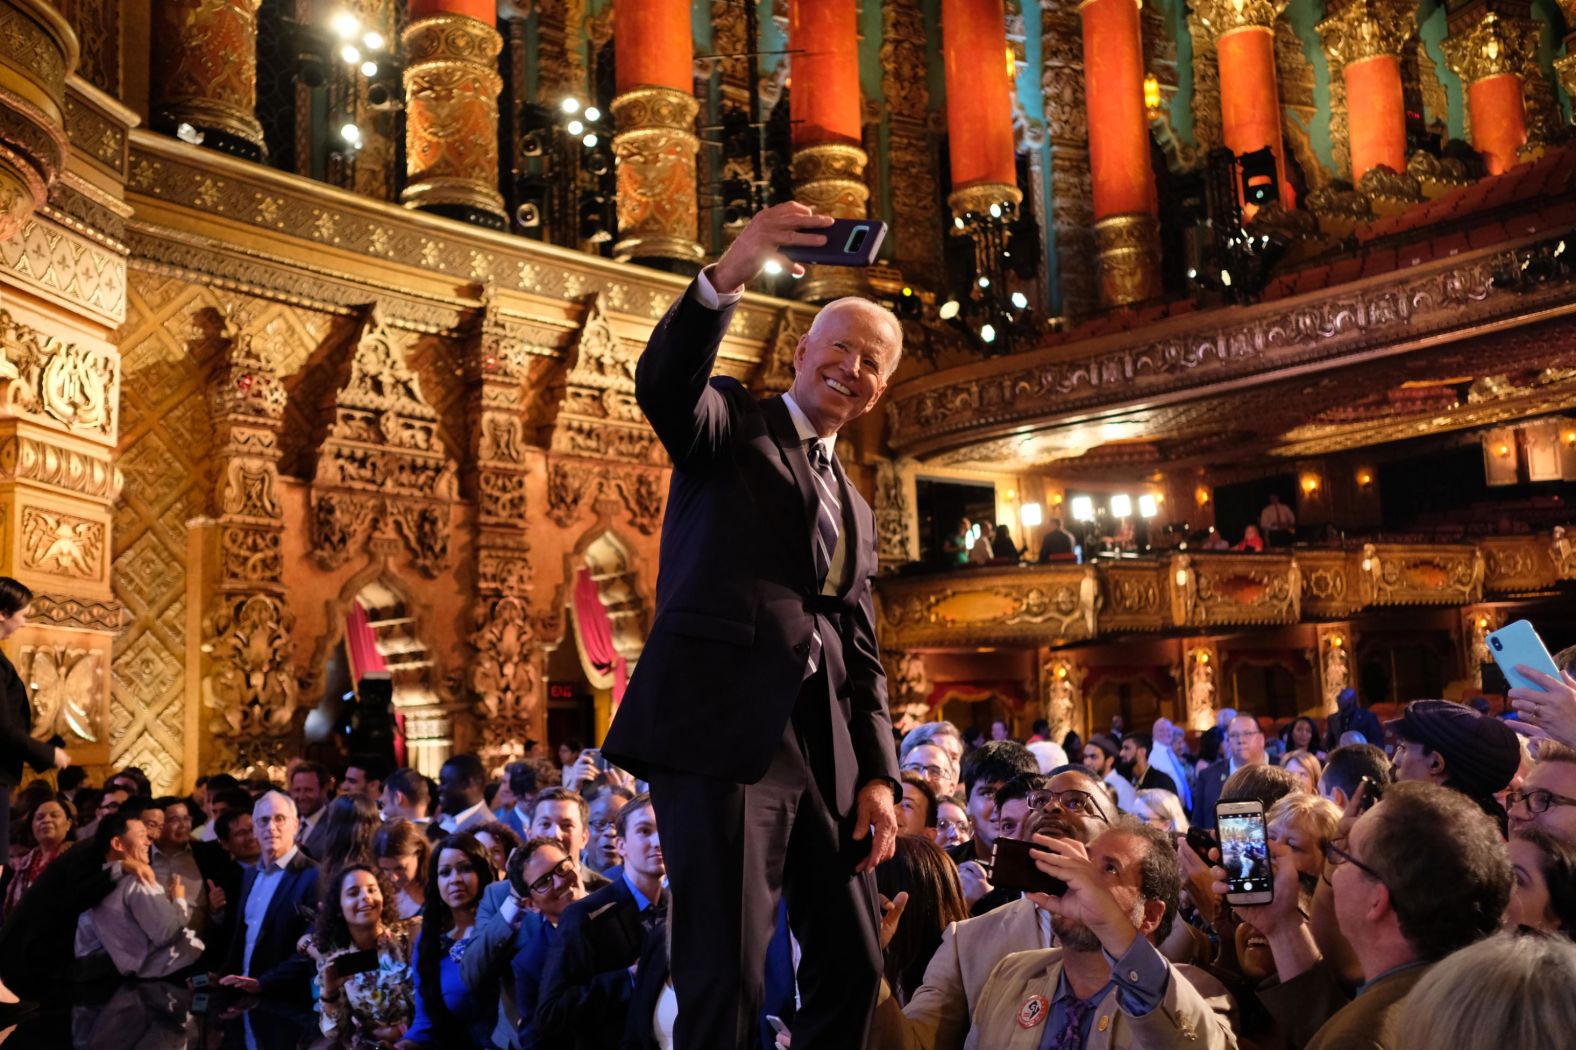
{"x": 594, "y": 632}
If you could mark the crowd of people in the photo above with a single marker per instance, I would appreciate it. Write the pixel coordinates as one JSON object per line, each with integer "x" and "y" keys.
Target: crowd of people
{"x": 1424, "y": 878}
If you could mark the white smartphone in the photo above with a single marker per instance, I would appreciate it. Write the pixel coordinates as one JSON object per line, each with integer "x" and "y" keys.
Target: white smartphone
{"x": 1517, "y": 643}
{"x": 777, "y": 1024}
{"x": 1245, "y": 852}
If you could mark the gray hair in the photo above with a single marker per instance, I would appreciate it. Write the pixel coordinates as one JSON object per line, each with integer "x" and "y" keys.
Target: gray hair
{"x": 282, "y": 799}
{"x": 1507, "y": 990}
{"x": 926, "y": 733}
{"x": 869, "y": 305}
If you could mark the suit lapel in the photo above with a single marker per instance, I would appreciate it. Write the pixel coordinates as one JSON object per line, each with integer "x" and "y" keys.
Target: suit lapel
{"x": 792, "y": 450}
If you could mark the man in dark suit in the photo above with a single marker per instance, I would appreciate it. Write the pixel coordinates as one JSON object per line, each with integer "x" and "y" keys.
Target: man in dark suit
{"x": 587, "y": 987}
{"x": 758, "y": 711}
{"x": 1244, "y": 747}
{"x": 277, "y": 902}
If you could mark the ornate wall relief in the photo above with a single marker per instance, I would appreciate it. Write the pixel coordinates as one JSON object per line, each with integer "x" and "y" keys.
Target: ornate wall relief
{"x": 250, "y": 685}
{"x": 68, "y": 690}
{"x": 1061, "y": 693}
{"x": 58, "y": 382}
{"x": 591, "y": 404}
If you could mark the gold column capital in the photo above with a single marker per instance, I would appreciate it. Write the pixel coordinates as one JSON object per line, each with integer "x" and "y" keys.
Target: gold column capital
{"x": 830, "y": 177}
{"x": 1492, "y": 46}
{"x": 204, "y": 71}
{"x": 1221, "y": 17}
{"x": 979, "y": 197}
{"x": 654, "y": 148}
{"x": 1565, "y": 68}
{"x": 1363, "y": 29}
{"x": 1128, "y": 250}
{"x": 39, "y": 52}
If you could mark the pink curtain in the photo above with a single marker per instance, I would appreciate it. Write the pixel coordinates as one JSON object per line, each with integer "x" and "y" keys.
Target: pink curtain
{"x": 594, "y": 636}
{"x": 361, "y": 645}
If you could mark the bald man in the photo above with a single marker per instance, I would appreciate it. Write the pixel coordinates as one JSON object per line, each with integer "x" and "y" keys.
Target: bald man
{"x": 758, "y": 711}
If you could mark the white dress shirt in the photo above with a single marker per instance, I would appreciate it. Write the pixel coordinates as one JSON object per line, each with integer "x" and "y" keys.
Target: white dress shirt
{"x": 269, "y": 876}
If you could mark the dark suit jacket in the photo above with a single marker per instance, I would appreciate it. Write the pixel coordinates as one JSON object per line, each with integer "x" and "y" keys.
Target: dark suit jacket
{"x": 17, "y": 745}
{"x": 38, "y": 939}
{"x": 585, "y": 992}
{"x": 650, "y": 979}
{"x": 1316, "y": 1013}
{"x": 1207, "y": 793}
{"x": 737, "y": 595}
{"x": 283, "y": 971}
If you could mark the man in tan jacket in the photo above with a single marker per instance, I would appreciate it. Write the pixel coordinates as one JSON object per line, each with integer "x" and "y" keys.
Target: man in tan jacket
{"x": 1107, "y": 986}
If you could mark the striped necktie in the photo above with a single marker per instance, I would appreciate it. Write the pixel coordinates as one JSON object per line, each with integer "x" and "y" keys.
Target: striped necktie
{"x": 828, "y": 516}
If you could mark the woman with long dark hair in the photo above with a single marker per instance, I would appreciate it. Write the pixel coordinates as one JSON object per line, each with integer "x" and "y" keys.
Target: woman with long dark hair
{"x": 402, "y": 853}
{"x": 349, "y": 823}
{"x": 357, "y": 915}
{"x": 447, "y": 1014}
{"x": 923, "y": 871}
{"x": 17, "y": 746}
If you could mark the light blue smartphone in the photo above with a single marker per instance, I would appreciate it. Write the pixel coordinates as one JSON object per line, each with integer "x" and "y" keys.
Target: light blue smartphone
{"x": 1517, "y": 643}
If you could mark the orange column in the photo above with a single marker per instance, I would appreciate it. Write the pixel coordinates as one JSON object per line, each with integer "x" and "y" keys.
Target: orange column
{"x": 1127, "y": 232}
{"x": 1366, "y": 37}
{"x": 1488, "y": 55}
{"x": 828, "y": 165}
{"x": 1250, "y": 108}
{"x": 979, "y": 105}
{"x": 451, "y": 110}
{"x": 654, "y": 111}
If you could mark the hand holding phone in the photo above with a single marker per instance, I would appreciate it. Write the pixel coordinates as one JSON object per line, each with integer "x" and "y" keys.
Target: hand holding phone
{"x": 1201, "y": 841}
{"x": 1013, "y": 869}
{"x": 1245, "y": 852}
{"x": 849, "y": 242}
{"x": 1518, "y": 645}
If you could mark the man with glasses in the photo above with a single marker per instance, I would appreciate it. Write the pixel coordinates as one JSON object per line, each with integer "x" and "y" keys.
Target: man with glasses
{"x": 932, "y": 762}
{"x": 1421, "y": 874}
{"x": 1547, "y": 799}
{"x": 1069, "y": 803}
{"x": 1244, "y": 747}
{"x": 546, "y": 881}
{"x": 1451, "y": 744}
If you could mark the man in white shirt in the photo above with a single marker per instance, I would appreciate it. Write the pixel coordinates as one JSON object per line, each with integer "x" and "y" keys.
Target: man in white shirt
{"x": 462, "y": 792}
{"x": 1276, "y": 519}
{"x": 141, "y": 929}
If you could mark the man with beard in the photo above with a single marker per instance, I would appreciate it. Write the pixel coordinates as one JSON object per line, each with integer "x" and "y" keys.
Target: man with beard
{"x": 1133, "y": 763}
{"x": 1106, "y": 977}
{"x": 1099, "y": 757}
{"x": 1069, "y": 803}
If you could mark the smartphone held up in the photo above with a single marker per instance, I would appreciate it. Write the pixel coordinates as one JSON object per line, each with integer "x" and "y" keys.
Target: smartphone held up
{"x": 1245, "y": 852}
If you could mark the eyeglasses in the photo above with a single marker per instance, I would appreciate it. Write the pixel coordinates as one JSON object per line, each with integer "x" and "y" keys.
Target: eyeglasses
{"x": 596, "y": 827}
{"x": 1072, "y": 800}
{"x": 1538, "y": 800}
{"x": 953, "y": 827}
{"x": 563, "y": 870}
{"x": 1237, "y": 738}
{"x": 1335, "y": 856}
{"x": 928, "y": 772}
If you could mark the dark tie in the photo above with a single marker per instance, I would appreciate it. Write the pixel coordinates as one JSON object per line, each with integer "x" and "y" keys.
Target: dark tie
{"x": 1070, "y": 1035}
{"x": 828, "y": 515}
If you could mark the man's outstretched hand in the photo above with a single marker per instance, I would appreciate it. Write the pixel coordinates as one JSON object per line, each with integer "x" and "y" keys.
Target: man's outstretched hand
{"x": 789, "y": 223}
{"x": 876, "y": 814}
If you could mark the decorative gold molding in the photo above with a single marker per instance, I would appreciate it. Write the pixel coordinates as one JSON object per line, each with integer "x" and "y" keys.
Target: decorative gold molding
{"x": 1420, "y": 575}
{"x": 1364, "y": 29}
{"x": 1494, "y": 46}
{"x": 979, "y": 197}
{"x": 1220, "y": 17}
{"x": 82, "y": 614}
{"x": 658, "y": 210}
{"x": 39, "y": 51}
{"x": 1128, "y": 251}
{"x": 451, "y": 126}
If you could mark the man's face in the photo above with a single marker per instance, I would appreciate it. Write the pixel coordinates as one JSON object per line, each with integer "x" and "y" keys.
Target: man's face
{"x": 307, "y": 793}
{"x": 998, "y": 730}
{"x": 1094, "y": 760}
{"x": 840, "y": 365}
{"x": 153, "y": 821}
{"x": 456, "y": 793}
{"x": 1010, "y": 816}
{"x": 1355, "y": 890}
{"x": 242, "y": 845}
{"x": 640, "y": 848}
{"x": 912, "y": 812}
{"x": 1118, "y": 857}
{"x": 933, "y": 763}
{"x": 134, "y": 843}
{"x": 561, "y": 878}
{"x": 1559, "y": 820}
{"x": 1413, "y": 761}
{"x": 275, "y": 825}
{"x": 560, "y": 819}
{"x": 356, "y": 783}
{"x": 177, "y": 828}
{"x": 1128, "y": 755}
{"x": 1246, "y": 740}
{"x": 1084, "y": 823}
{"x": 602, "y": 833}
{"x": 111, "y": 802}
{"x": 982, "y": 811}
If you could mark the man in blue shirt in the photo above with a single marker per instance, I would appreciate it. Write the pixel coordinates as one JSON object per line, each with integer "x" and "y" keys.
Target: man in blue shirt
{"x": 1106, "y": 977}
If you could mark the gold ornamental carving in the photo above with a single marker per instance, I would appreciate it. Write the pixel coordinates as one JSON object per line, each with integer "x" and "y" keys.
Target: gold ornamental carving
{"x": 68, "y": 384}
{"x": 63, "y": 544}
{"x": 80, "y": 614}
{"x": 1061, "y": 602}
{"x": 1330, "y": 584}
{"x": 894, "y": 537}
{"x": 1364, "y": 29}
{"x": 37, "y": 52}
{"x": 1565, "y": 69}
{"x": 978, "y": 198}
{"x": 1494, "y": 46}
{"x": 1198, "y": 679}
{"x": 1421, "y": 575}
{"x": 830, "y": 177}
{"x": 1061, "y": 694}
{"x": 204, "y": 69}
{"x": 591, "y": 408}
{"x": 908, "y": 688}
{"x": 1220, "y": 17}
{"x": 504, "y": 676}
{"x": 1218, "y": 590}
{"x": 1516, "y": 564}
{"x": 67, "y": 683}
{"x": 574, "y": 484}
{"x": 911, "y": 161}
{"x": 1337, "y": 647}
{"x": 67, "y": 469}
{"x": 249, "y": 682}
{"x": 1128, "y": 251}
{"x": 451, "y": 130}
{"x": 654, "y": 149}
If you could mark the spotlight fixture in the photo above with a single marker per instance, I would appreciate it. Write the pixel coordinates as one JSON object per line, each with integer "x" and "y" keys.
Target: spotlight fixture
{"x": 593, "y": 114}
{"x": 949, "y": 309}
{"x": 576, "y": 127}
{"x": 345, "y": 25}
{"x": 989, "y": 311}
{"x": 570, "y": 105}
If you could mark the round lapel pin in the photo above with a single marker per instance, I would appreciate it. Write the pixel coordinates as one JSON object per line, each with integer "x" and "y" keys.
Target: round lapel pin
{"x": 1033, "y": 1011}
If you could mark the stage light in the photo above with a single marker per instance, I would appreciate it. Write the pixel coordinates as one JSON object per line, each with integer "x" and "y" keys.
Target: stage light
{"x": 576, "y": 128}
{"x": 345, "y": 25}
{"x": 1083, "y": 508}
{"x": 949, "y": 309}
{"x": 186, "y": 133}
{"x": 351, "y": 54}
{"x": 571, "y": 105}
{"x": 369, "y": 69}
{"x": 1030, "y": 515}
{"x": 589, "y": 141}
{"x": 1020, "y": 300}
{"x": 984, "y": 282}
{"x": 373, "y": 41}
{"x": 987, "y": 333}
{"x": 1225, "y": 278}
{"x": 593, "y": 114}
{"x": 1148, "y": 507}
{"x": 352, "y": 135}
{"x": 1122, "y": 505}
{"x": 957, "y": 222}
{"x": 995, "y": 211}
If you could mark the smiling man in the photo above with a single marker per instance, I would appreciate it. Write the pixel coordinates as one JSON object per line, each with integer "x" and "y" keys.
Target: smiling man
{"x": 758, "y": 712}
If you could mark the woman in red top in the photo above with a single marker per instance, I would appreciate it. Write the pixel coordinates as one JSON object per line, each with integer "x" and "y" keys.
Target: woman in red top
{"x": 52, "y": 822}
